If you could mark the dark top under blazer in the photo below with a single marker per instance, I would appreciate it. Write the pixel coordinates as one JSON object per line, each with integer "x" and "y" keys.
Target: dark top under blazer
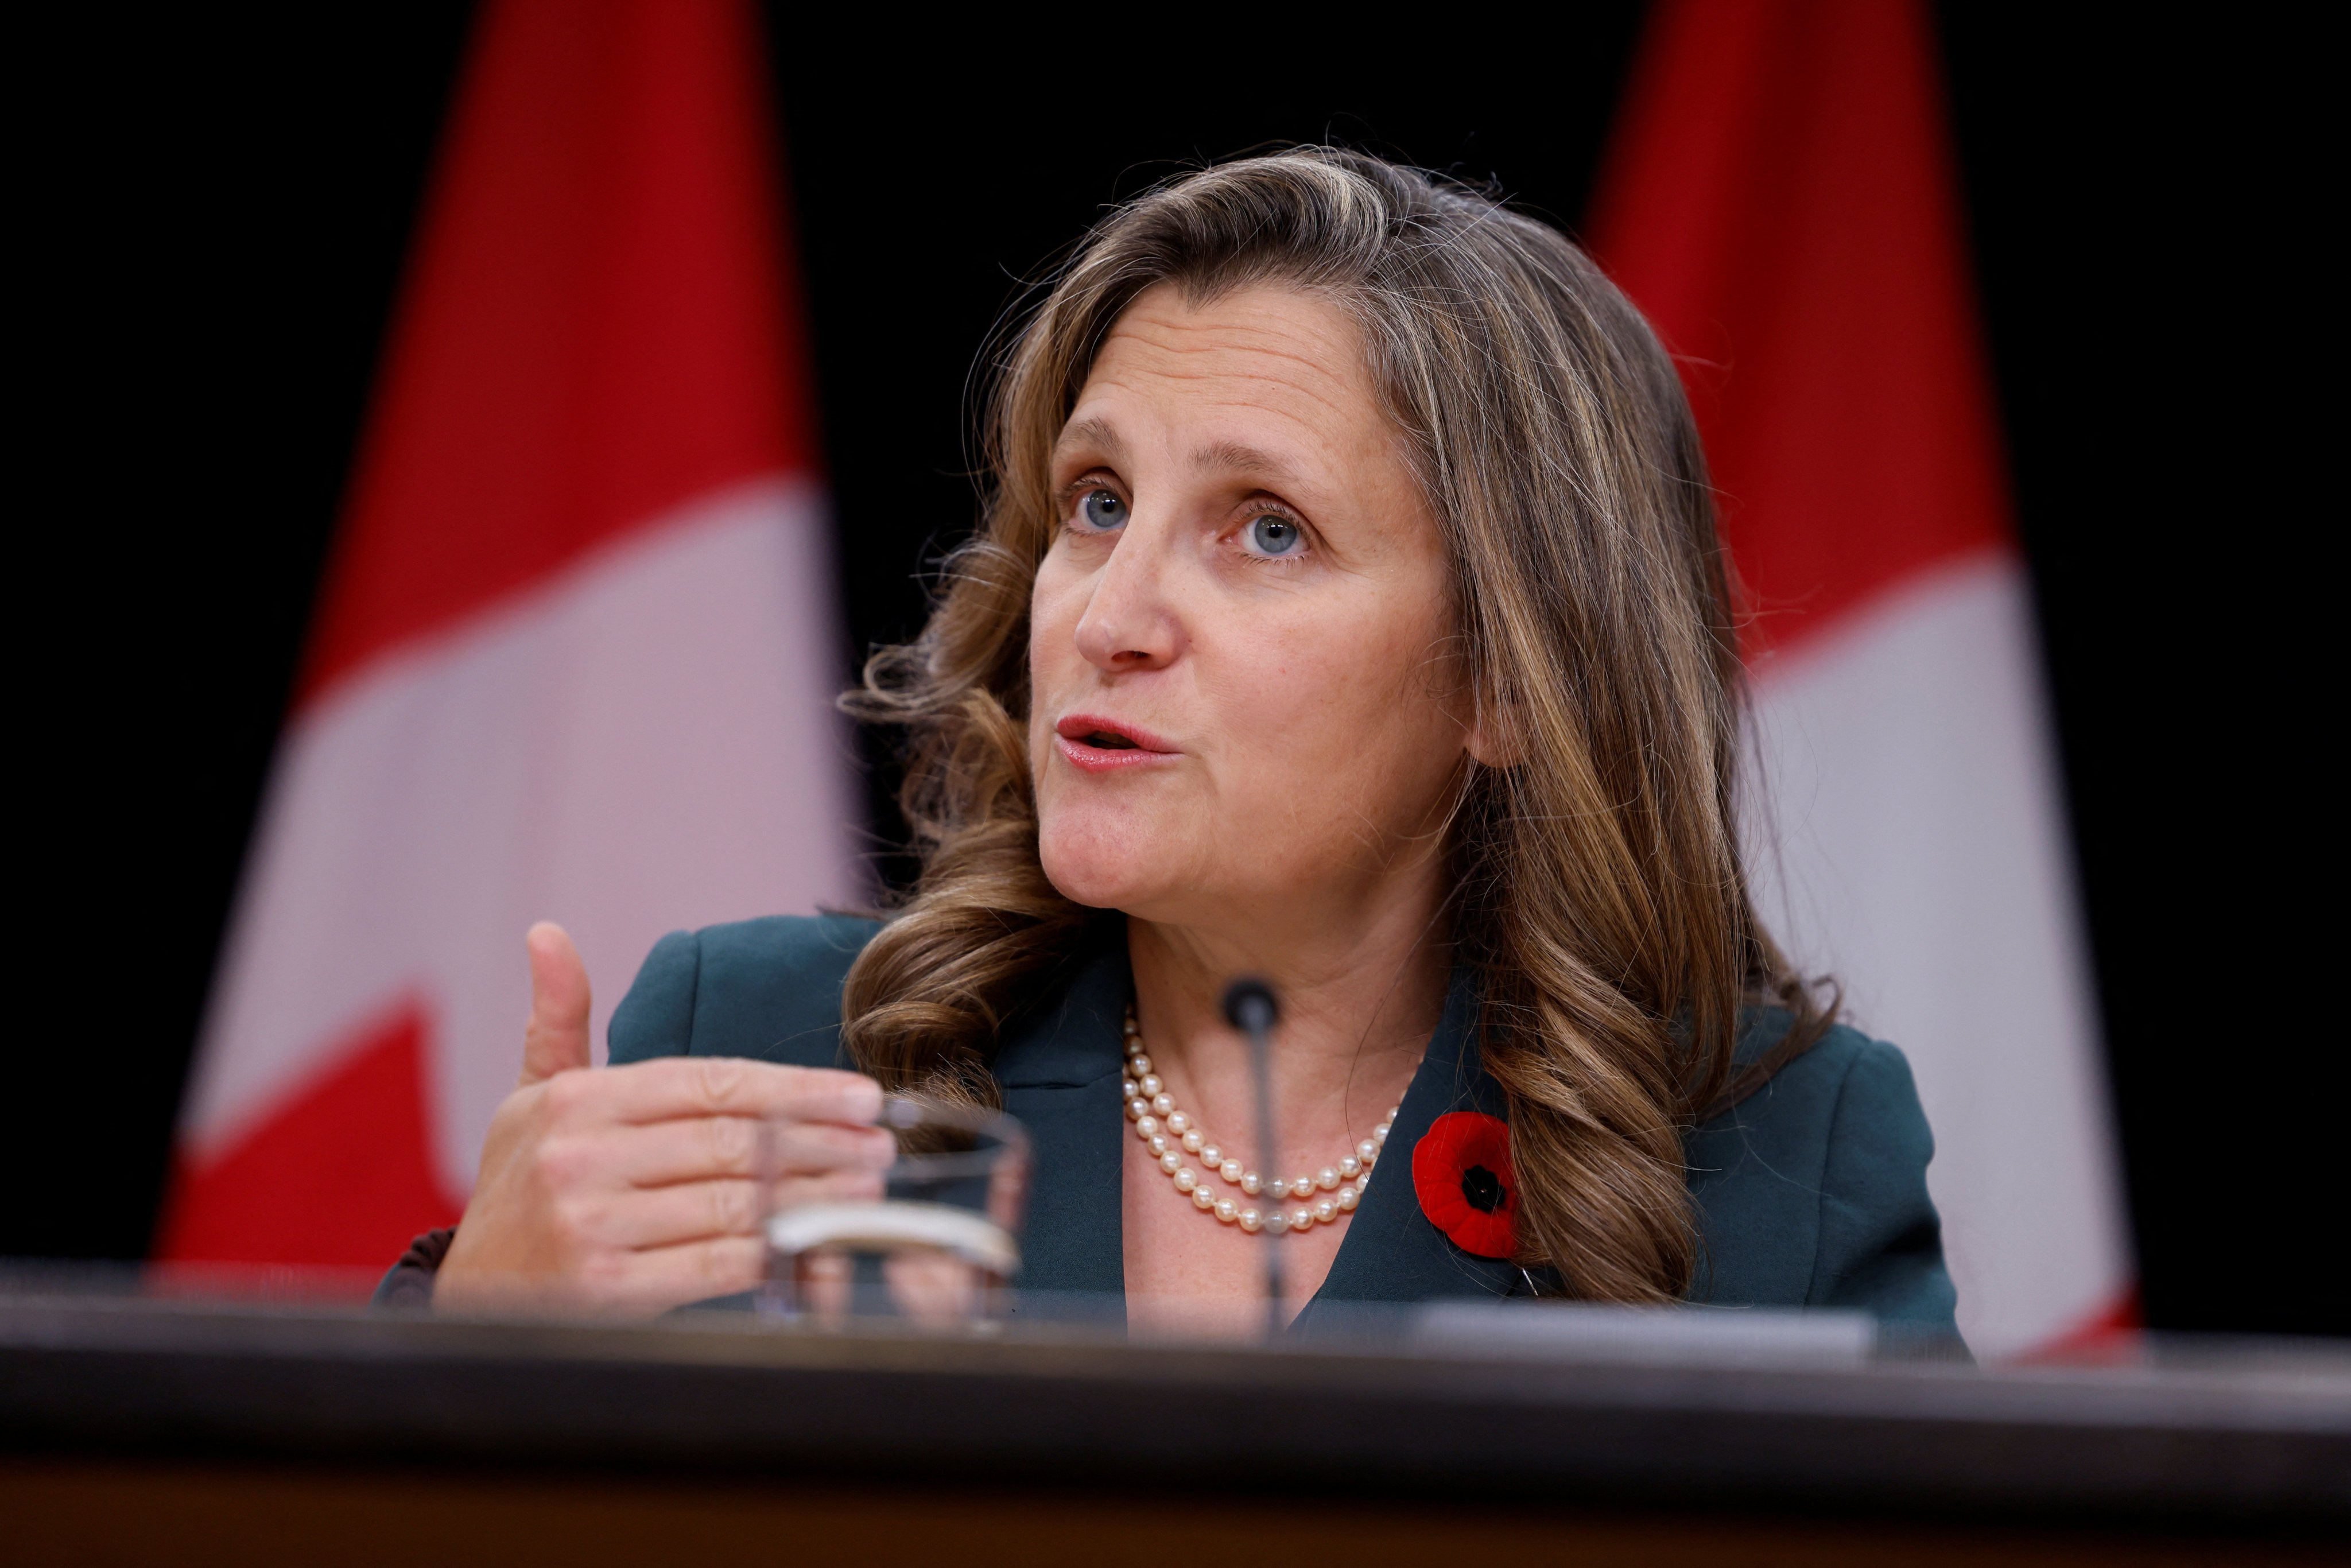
{"x": 1811, "y": 1192}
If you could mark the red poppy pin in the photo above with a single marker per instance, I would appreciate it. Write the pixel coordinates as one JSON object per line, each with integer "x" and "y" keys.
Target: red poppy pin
{"x": 1461, "y": 1172}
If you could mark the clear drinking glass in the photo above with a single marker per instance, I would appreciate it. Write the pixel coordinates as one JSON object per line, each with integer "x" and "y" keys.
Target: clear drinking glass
{"x": 939, "y": 1248}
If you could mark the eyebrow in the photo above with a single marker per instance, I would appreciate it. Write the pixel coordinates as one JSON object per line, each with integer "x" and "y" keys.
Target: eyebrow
{"x": 1095, "y": 432}
{"x": 1234, "y": 458}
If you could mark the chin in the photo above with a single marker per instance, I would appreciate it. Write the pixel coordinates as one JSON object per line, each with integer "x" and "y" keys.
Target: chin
{"x": 1103, "y": 859}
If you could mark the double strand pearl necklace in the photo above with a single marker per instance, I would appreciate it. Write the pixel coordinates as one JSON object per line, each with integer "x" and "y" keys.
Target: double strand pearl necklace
{"x": 1171, "y": 1134}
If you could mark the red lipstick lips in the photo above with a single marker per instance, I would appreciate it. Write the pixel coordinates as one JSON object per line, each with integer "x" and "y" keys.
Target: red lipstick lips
{"x": 1098, "y": 745}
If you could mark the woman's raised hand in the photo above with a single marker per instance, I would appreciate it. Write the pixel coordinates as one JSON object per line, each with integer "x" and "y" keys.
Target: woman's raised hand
{"x": 635, "y": 1189}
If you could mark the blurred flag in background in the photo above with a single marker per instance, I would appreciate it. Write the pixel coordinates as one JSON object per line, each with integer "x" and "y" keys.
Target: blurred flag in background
{"x": 1782, "y": 200}
{"x": 575, "y": 650}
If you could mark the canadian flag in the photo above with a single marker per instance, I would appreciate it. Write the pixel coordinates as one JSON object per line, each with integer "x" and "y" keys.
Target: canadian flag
{"x": 575, "y": 650}
{"x": 1781, "y": 201}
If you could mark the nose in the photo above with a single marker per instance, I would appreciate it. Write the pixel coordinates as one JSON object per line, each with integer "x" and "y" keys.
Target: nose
{"x": 1129, "y": 624}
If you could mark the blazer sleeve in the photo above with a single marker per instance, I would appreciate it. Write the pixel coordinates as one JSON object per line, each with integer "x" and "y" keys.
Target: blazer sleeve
{"x": 1880, "y": 1241}
{"x": 768, "y": 990}
{"x": 656, "y": 1017}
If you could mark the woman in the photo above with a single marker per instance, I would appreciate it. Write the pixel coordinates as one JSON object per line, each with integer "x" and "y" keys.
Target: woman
{"x": 1349, "y": 610}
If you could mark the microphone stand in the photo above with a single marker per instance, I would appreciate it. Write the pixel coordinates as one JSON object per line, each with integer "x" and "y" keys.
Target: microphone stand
{"x": 1250, "y": 1007}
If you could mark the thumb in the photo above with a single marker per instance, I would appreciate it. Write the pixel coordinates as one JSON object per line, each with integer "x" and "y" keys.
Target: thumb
{"x": 557, "y": 1039}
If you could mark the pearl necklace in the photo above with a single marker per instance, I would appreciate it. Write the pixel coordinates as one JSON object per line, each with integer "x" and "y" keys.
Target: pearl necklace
{"x": 1171, "y": 1134}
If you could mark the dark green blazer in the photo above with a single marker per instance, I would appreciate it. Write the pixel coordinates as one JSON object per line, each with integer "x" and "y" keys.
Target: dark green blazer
{"x": 1811, "y": 1192}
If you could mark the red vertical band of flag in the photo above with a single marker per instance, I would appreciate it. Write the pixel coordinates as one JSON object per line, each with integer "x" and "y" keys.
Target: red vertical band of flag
{"x": 1783, "y": 204}
{"x": 1781, "y": 201}
{"x": 600, "y": 321}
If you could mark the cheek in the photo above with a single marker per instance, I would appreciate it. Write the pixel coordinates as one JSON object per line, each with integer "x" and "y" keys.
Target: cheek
{"x": 1055, "y": 604}
{"x": 1346, "y": 704}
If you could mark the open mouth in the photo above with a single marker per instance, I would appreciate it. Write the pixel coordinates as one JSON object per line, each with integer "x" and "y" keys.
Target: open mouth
{"x": 1093, "y": 741}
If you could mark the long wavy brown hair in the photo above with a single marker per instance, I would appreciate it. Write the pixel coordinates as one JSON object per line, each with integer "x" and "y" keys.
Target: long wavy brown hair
{"x": 1599, "y": 893}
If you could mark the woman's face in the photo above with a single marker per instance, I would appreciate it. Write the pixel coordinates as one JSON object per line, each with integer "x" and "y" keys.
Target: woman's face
{"x": 1243, "y": 697}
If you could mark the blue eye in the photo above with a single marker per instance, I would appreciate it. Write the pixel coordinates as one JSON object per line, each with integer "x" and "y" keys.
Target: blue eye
{"x": 1102, "y": 511}
{"x": 1273, "y": 535}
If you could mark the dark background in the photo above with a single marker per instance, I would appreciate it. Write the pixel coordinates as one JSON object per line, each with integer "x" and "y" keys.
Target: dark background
{"x": 214, "y": 210}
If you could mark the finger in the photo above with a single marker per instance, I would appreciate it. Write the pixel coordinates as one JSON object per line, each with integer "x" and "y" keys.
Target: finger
{"x": 697, "y": 1148}
{"x": 820, "y": 1148}
{"x": 651, "y": 1218}
{"x": 557, "y": 1038}
{"x": 667, "y": 1215}
{"x": 730, "y": 1086}
{"x": 662, "y": 1277}
{"x": 833, "y": 1186}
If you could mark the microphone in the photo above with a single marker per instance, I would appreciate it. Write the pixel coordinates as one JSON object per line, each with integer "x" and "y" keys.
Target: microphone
{"x": 1251, "y": 1008}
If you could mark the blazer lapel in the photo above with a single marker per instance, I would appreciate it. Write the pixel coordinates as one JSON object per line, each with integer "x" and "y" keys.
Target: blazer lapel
{"x": 1392, "y": 1252}
{"x": 1059, "y": 1071}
